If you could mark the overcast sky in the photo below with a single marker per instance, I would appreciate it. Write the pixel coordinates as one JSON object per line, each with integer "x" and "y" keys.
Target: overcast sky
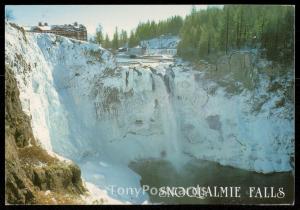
{"x": 109, "y": 16}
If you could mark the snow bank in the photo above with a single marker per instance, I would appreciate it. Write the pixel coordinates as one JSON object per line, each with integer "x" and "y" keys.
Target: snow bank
{"x": 98, "y": 196}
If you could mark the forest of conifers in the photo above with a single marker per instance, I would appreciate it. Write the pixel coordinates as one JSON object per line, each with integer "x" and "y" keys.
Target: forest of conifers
{"x": 221, "y": 30}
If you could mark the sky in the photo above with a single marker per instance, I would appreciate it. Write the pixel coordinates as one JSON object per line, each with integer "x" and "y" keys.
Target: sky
{"x": 125, "y": 17}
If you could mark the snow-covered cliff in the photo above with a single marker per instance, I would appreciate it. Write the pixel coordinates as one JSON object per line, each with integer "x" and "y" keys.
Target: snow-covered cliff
{"x": 86, "y": 108}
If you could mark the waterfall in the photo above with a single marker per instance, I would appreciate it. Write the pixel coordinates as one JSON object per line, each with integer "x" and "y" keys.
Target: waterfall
{"x": 171, "y": 122}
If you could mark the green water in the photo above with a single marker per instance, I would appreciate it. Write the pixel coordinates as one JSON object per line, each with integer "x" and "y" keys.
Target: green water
{"x": 159, "y": 173}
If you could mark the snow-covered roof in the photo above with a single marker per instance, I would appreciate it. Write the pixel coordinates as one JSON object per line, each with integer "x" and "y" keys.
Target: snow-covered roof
{"x": 69, "y": 27}
{"x": 65, "y": 27}
{"x": 45, "y": 28}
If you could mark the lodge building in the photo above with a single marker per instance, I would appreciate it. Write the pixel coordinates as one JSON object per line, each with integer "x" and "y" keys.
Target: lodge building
{"x": 75, "y": 31}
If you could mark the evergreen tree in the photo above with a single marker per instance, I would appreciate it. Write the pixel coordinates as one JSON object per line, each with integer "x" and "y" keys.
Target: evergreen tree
{"x": 270, "y": 28}
{"x": 99, "y": 35}
{"x": 107, "y": 43}
{"x": 115, "y": 41}
{"x": 133, "y": 40}
{"x": 123, "y": 38}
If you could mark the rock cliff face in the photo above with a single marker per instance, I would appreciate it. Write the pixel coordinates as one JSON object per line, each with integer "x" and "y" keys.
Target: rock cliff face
{"x": 29, "y": 169}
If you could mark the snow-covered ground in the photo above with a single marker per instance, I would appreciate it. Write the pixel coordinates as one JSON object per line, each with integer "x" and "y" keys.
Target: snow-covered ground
{"x": 102, "y": 116}
{"x": 162, "y": 42}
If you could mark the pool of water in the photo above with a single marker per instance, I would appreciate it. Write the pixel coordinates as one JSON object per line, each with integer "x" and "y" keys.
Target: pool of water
{"x": 160, "y": 173}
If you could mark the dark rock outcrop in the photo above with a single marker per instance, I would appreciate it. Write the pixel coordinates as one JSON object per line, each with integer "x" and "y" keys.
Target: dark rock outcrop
{"x": 28, "y": 168}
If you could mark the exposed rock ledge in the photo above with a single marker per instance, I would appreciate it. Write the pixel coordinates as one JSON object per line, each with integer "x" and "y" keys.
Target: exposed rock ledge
{"x": 32, "y": 176}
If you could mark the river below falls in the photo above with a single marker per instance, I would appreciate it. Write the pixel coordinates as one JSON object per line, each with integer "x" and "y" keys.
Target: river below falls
{"x": 159, "y": 173}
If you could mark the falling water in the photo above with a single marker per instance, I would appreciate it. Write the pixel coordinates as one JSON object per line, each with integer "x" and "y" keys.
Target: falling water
{"x": 171, "y": 123}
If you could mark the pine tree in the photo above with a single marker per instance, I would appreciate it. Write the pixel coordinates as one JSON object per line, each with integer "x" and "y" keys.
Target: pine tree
{"x": 107, "y": 43}
{"x": 99, "y": 35}
{"x": 115, "y": 41}
{"x": 204, "y": 32}
{"x": 123, "y": 38}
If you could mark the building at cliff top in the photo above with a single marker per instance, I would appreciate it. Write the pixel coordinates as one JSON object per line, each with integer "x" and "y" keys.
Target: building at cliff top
{"x": 75, "y": 31}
